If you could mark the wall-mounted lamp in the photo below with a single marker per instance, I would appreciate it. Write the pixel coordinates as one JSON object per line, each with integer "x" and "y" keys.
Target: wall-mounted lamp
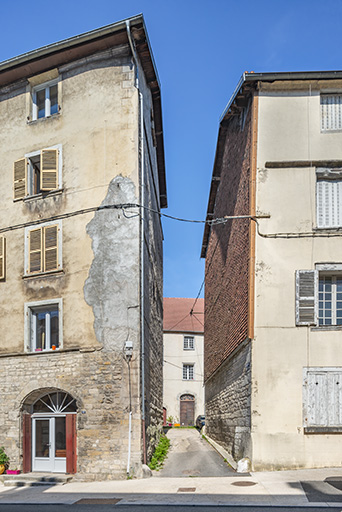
{"x": 128, "y": 350}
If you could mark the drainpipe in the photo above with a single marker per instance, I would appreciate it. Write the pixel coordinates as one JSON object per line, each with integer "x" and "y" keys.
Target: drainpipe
{"x": 142, "y": 235}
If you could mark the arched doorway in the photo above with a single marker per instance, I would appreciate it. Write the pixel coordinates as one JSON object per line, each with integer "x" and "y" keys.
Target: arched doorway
{"x": 49, "y": 432}
{"x": 187, "y": 410}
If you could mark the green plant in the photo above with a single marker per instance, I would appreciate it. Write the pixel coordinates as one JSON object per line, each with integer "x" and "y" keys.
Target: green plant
{"x": 169, "y": 419}
{"x": 160, "y": 453}
{"x": 4, "y": 458}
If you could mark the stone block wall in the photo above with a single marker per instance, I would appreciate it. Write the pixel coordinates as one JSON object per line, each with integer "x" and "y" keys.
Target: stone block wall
{"x": 228, "y": 404}
{"x": 98, "y": 380}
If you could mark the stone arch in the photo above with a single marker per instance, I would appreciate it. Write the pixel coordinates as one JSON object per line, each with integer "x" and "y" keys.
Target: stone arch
{"x": 27, "y": 402}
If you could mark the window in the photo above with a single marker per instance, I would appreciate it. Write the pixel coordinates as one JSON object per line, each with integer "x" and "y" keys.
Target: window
{"x": 330, "y": 300}
{"x": 45, "y": 100}
{"x": 2, "y": 257}
{"x": 331, "y": 112}
{"x": 43, "y": 325}
{"x": 188, "y": 343}
{"x": 188, "y": 372}
{"x": 322, "y": 400}
{"x": 329, "y": 198}
{"x": 319, "y": 296}
{"x": 43, "y": 248}
{"x": 37, "y": 172}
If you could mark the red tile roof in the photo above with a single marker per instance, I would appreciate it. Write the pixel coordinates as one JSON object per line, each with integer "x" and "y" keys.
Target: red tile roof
{"x": 177, "y": 316}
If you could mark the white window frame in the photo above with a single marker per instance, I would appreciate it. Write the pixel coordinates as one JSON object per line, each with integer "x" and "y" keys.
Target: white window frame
{"x": 328, "y": 198}
{"x": 28, "y": 308}
{"x": 333, "y": 300}
{"x": 188, "y": 342}
{"x": 45, "y": 86}
{"x": 60, "y": 247}
{"x": 30, "y": 174}
{"x": 187, "y": 373}
{"x": 322, "y": 405}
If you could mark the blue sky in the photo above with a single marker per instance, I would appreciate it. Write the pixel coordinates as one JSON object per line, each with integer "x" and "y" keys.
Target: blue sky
{"x": 201, "y": 48}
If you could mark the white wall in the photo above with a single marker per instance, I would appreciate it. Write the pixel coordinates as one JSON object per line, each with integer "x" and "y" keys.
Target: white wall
{"x": 174, "y": 385}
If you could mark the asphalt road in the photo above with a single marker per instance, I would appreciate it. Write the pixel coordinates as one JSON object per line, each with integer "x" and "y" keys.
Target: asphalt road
{"x": 156, "y": 508}
{"x": 191, "y": 455}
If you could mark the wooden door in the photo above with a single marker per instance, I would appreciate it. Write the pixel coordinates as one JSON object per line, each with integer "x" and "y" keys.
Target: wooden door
{"x": 187, "y": 410}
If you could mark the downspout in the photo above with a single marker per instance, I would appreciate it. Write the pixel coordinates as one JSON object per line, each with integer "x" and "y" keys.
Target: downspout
{"x": 252, "y": 229}
{"x": 142, "y": 235}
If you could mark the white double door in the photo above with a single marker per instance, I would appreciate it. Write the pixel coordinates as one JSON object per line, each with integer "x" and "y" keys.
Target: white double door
{"x": 49, "y": 443}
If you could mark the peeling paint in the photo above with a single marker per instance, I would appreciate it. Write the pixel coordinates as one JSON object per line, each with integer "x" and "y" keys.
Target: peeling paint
{"x": 112, "y": 286}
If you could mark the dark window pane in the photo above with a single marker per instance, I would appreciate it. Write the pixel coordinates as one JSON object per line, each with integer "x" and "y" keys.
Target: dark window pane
{"x": 60, "y": 441}
{"x": 53, "y": 100}
{"x": 41, "y": 103}
{"x": 42, "y": 438}
{"x": 54, "y": 328}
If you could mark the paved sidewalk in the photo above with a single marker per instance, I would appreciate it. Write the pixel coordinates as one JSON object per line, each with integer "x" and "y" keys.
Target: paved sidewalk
{"x": 263, "y": 488}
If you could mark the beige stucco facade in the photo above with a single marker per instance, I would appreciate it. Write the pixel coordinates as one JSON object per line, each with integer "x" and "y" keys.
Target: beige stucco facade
{"x": 289, "y": 130}
{"x": 104, "y": 133}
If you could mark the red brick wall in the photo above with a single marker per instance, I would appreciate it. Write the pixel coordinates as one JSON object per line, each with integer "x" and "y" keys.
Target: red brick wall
{"x": 227, "y": 259}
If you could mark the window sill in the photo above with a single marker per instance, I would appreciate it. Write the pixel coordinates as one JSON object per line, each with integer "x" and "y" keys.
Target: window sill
{"x": 327, "y": 229}
{"x": 41, "y": 195}
{"x": 35, "y": 121}
{"x": 43, "y": 274}
{"x": 323, "y": 430}
{"x": 327, "y": 328}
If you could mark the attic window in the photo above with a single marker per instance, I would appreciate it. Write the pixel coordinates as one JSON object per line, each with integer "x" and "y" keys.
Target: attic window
{"x": 45, "y": 100}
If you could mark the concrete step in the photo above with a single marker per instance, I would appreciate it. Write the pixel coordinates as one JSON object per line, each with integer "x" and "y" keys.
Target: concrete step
{"x": 31, "y": 479}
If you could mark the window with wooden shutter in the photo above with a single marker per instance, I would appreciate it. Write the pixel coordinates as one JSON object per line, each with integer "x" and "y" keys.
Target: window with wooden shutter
{"x": 306, "y": 297}
{"x": 322, "y": 399}
{"x": 20, "y": 178}
{"x": 50, "y": 248}
{"x": 2, "y": 257}
{"x": 43, "y": 249}
{"x": 49, "y": 169}
{"x": 35, "y": 251}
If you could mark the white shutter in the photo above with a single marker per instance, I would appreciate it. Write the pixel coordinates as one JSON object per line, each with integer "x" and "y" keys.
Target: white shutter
{"x": 329, "y": 196}
{"x": 322, "y": 398}
{"x": 331, "y": 112}
{"x": 306, "y": 297}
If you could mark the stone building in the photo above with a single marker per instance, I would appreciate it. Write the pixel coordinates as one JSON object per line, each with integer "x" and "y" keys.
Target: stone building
{"x": 183, "y": 389}
{"x": 81, "y": 254}
{"x": 273, "y": 299}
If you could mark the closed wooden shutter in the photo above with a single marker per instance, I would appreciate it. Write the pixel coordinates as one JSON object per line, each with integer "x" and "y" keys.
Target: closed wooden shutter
{"x": 20, "y": 178}
{"x": 306, "y": 297}
{"x": 323, "y": 398}
{"x": 50, "y": 248}
{"x": 2, "y": 257}
{"x": 26, "y": 443}
{"x": 71, "y": 455}
{"x": 35, "y": 250}
{"x": 49, "y": 169}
